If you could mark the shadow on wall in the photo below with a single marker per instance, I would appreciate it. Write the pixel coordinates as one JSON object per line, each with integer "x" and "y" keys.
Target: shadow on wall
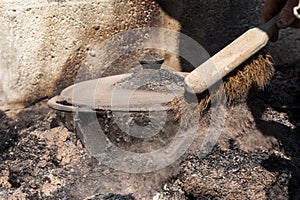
{"x": 213, "y": 23}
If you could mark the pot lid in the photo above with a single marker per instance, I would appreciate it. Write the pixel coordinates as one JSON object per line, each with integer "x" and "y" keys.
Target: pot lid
{"x": 146, "y": 89}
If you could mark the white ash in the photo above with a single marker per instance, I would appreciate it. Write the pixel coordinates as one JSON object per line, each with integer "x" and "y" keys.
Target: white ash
{"x": 279, "y": 117}
{"x": 153, "y": 80}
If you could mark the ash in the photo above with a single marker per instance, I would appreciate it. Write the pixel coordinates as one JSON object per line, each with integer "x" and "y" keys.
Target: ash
{"x": 257, "y": 156}
{"x": 152, "y": 80}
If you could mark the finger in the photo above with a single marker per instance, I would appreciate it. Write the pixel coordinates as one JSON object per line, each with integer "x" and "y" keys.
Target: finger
{"x": 271, "y": 8}
{"x": 286, "y": 16}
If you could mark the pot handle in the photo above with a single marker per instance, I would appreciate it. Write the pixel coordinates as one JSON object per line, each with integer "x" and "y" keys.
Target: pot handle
{"x": 56, "y": 103}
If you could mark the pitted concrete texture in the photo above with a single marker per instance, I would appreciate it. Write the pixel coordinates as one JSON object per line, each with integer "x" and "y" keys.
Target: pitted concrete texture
{"x": 44, "y": 42}
{"x": 286, "y": 50}
{"x": 214, "y": 24}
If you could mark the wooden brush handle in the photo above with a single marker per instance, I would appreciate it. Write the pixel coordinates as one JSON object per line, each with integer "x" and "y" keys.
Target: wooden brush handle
{"x": 226, "y": 60}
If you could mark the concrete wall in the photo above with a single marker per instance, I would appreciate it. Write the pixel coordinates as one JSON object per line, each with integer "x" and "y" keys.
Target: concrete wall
{"x": 215, "y": 23}
{"x": 44, "y": 42}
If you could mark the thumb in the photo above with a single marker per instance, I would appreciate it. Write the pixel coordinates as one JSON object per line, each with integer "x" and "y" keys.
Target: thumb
{"x": 286, "y": 16}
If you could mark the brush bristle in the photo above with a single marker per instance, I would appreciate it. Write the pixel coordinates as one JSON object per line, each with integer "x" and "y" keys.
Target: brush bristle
{"x": 250, "y": 77}
{"x": 239, "y": 85}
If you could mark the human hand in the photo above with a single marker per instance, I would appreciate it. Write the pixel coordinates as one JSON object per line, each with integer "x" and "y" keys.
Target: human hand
{"x": 286, "y": 13}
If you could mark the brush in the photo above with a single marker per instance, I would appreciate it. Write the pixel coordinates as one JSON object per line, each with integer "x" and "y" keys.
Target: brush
{"x": 230, "y": 57}
{"x": 244, "y": 66}
{"x": 242, "y": 77}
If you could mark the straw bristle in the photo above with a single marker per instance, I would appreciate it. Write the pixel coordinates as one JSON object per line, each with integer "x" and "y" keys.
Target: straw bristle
{"x": 252, "y": 76}
{"x": 240, "y": 84}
